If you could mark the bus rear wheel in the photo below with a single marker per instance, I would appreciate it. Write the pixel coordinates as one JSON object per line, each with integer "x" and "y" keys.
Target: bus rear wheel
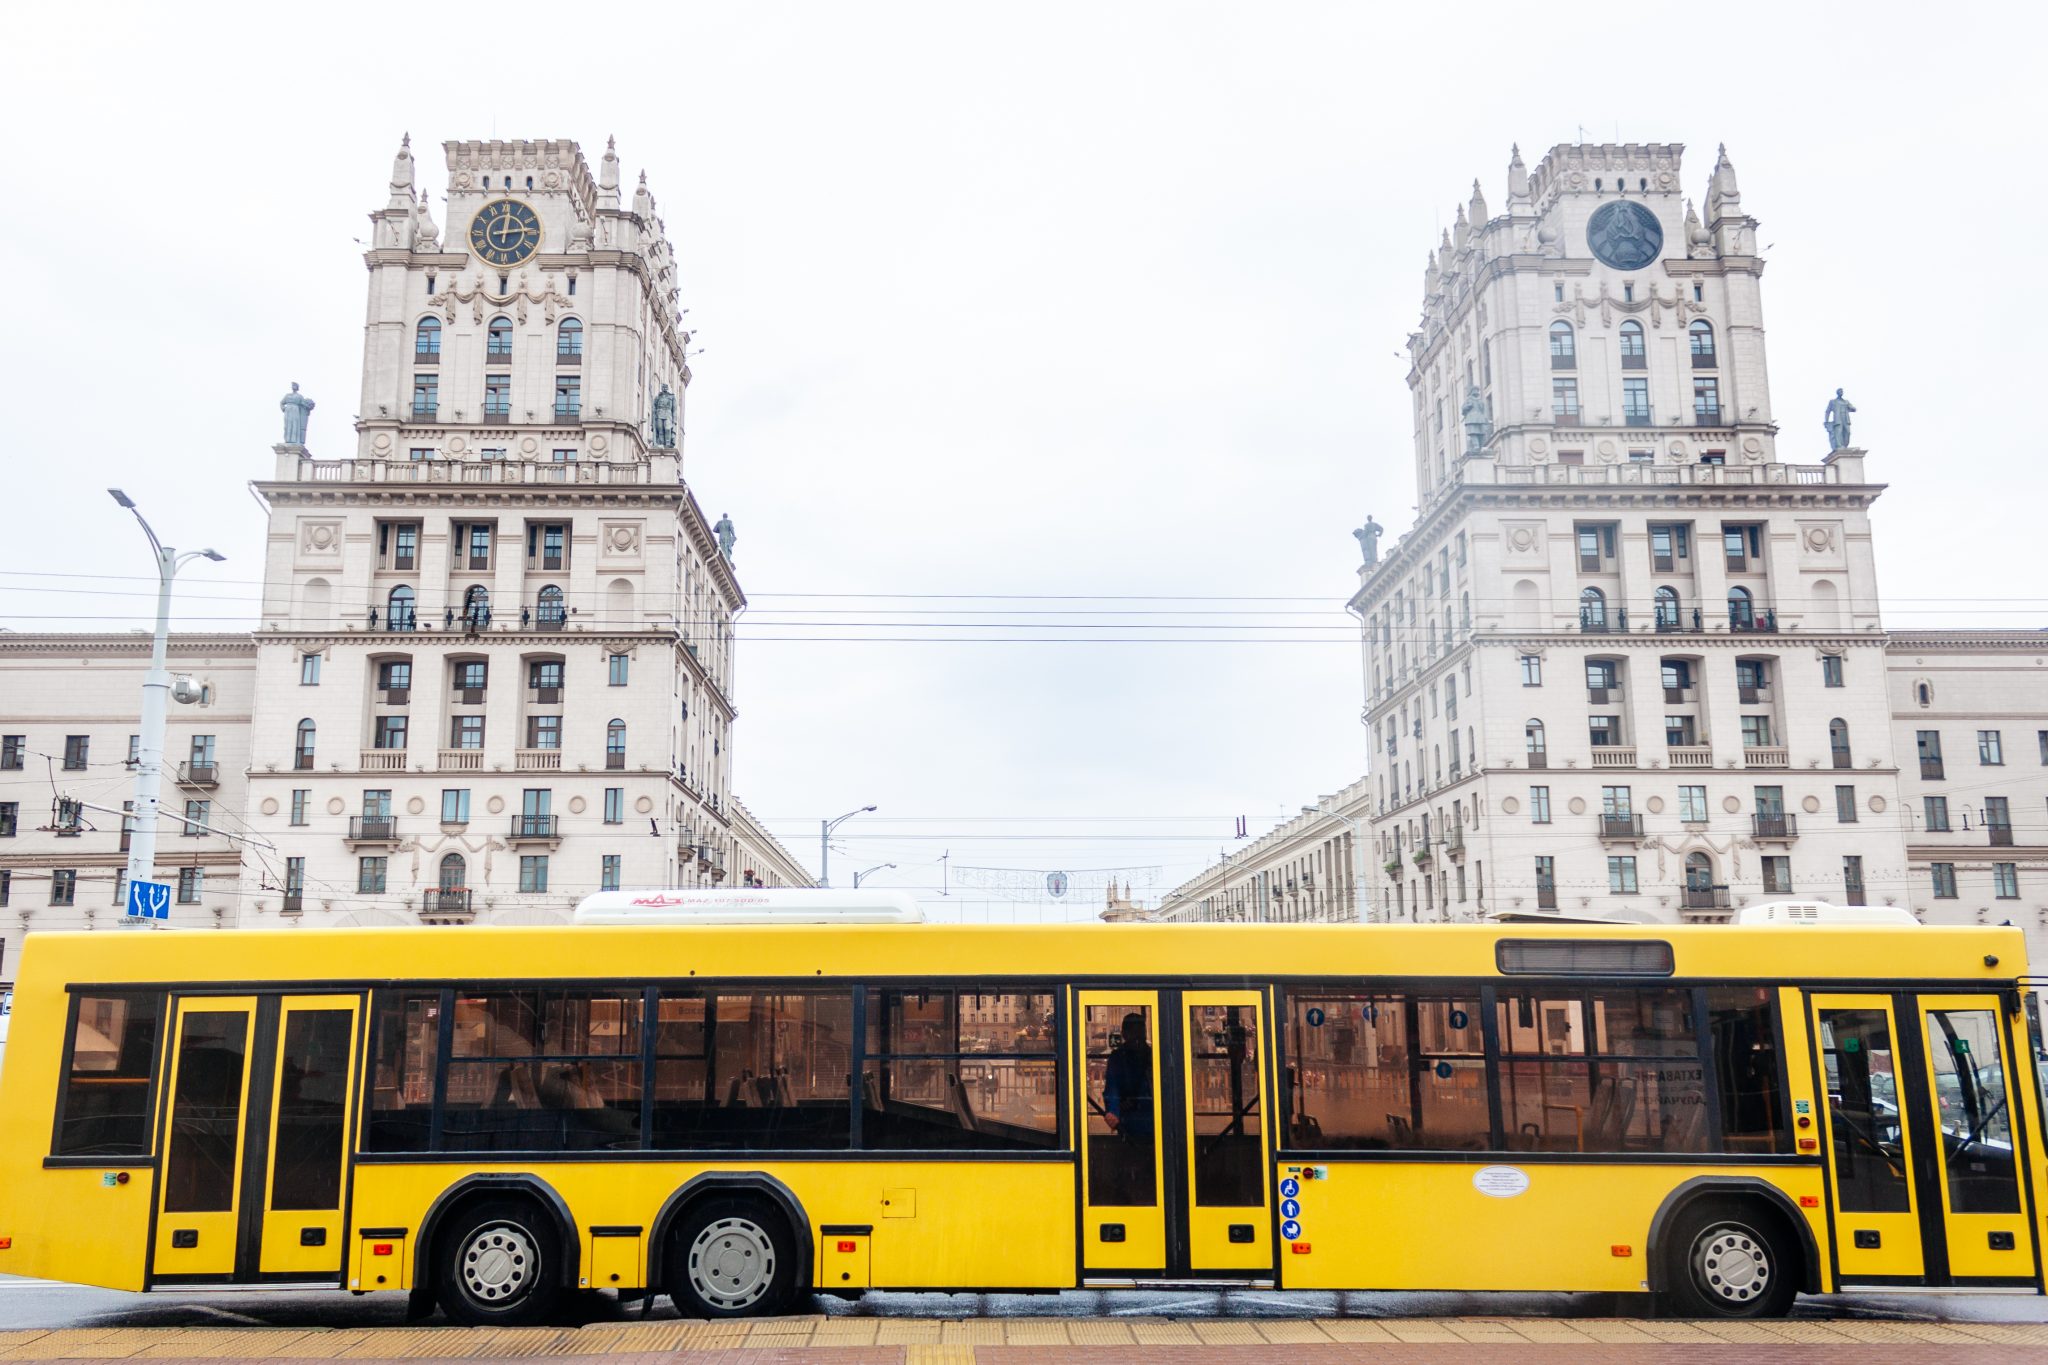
{"x": 1731, "y": 1260}
{"x": 731, "y": 1258}
{"x": 498, "y": 1267}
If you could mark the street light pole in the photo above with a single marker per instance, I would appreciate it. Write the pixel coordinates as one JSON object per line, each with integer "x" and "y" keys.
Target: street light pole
{"x": 156, "y": 692}
{"x": 869, "y": 873}
{"x": 825, "y": 828}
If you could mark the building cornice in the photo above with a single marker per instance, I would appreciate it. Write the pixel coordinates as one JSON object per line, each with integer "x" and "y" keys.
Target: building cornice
{"x": 1909, "y": 640}
{"x": 136, "y": 642}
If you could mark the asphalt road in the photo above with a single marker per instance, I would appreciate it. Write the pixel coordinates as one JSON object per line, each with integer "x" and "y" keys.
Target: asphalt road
{"x": 42, "y": 1304}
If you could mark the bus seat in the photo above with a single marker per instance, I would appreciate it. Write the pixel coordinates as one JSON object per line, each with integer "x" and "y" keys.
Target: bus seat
{"x": 956, "y": 1095}
{"x": 739, "y": 1091}
{"x": 516, "y": 1088}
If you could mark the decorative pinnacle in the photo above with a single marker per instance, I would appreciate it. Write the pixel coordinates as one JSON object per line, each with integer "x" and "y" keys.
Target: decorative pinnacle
{"x": 611, "y": 144}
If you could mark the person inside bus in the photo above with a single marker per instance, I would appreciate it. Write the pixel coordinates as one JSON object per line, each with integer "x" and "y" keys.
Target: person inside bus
{"x": 1126, "y": 1157}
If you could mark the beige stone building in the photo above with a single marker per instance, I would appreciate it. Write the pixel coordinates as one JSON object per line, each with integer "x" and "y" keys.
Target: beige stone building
{"x": 1628, "y": 662}
{"x": 493, "y": 670}
{"x": 762, "y": 860}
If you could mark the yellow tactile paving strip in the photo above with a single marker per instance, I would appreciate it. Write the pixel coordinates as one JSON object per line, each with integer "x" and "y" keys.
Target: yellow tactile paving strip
{"x": 931, "y": 1341}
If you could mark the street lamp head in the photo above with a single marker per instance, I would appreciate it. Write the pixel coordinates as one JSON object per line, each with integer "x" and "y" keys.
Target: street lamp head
{"x": 867, "y": 808}
{"x": 122, "y": 498}
{"x": 215, "y": 555}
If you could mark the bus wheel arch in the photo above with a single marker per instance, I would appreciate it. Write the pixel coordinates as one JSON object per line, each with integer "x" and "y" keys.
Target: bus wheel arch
{"x": 1741, "y": 1202}
{"x": 452, "y": 1210}
{"x": 756, "y": 1188}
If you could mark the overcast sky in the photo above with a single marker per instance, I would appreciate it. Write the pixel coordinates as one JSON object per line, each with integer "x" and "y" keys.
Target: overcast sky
{"x": 1088, "y": 301}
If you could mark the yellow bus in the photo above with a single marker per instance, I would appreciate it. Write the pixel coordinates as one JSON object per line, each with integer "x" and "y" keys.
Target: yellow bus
{"x": 743, "y": 1099}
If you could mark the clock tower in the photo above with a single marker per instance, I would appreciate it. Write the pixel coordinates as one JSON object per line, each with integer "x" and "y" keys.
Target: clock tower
{"x": 497, "y": 631}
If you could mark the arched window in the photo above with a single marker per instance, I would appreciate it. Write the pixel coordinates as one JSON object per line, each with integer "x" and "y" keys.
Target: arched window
{"x": 498, "y": 345}
{"x": 1838, "y": 742}
{"x": 426, "y": 343}
{"x": 454, "y": 872}
{"x": 399, "y": 613}
{"x": 1592, "y": 609}
{"x": 1741, "y": 609}
{"x": 476, "y": 606}
{"x": 569, "y": 338}
{"x": 1924, "y": 692}
{"x": 1538, "y": 747}
{"x": 302, "y": 753}
{"x": 1699, "y": 872}
{"x": 1667, "y": 608}
{"x": 615, "y": 744}
{"x": 1564, "y": 350}
{"x": 1701, "y": 337}
{"x": 1632, "y": 357}
{"x": 552, "y": 612}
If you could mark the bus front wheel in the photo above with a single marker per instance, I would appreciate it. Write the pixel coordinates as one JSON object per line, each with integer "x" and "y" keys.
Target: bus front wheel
{"x": 1731, "y": 1259}
{"x": 498, "y": 1268}
{"x": 731, "y": 1258}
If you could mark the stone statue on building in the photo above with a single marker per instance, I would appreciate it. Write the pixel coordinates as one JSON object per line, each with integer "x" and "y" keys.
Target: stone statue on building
{"x": 1369, "y": 540}
{"x": 1478, "y": 420}
{"x": 1837, "y": 421}
{"x": 665, "y": 419}
{"x": 297, "y": 408}
{"x": 726, "y": 535}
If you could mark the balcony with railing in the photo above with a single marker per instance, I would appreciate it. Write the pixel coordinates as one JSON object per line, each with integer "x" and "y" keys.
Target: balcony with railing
{"x": 1620, "y": 826}
{"x": 294, "y": 901}
{"x": 461, "y": 760}
{"x": 1706, "y": 902}
{"x": 381, "y": 760}
{"x": 371, "y": 470}
{"x": 450, "y": 905}
{"x": 1779, "y": 828}
{"x": 1546, "y": 897}
{"x": 533, "y": 827}
{"x": 1932, "y": 770}
{"x": 1603, "y": 622}
{"x": 372, "y": 829}
{"x": 1454, "y": 840}
{"x": 1689, "y": 756}
{"x": 1614, "y": 755}
{"x": 1539, "y": 758}
{"x": 544, "y": 616}
{"x": 537, "y": 760}
{"x": 198, "y": 775}
{"x": 1766, "y": 756}
{"x": 1762, "y": 621}
{"x": 2001, "y": 835}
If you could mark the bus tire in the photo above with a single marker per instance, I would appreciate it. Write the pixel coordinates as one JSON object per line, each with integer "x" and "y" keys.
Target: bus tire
{"x": 1730, "y": 1258}
{"x": 499, "y": 1265}
{"x": 731, "y": 1257}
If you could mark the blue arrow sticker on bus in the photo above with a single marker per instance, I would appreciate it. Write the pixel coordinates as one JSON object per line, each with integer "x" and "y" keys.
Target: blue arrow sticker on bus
{"x": 1459, "y": 1018}
{"x": 1371, "y": 1013}
{"x": 1443, "y": 1070}
{"x": 1290, "y": 1208}
{"x": 1291, "y": 1230}
{"x": 1315, "y": 1018}
{"x": 1289, "y": 1188}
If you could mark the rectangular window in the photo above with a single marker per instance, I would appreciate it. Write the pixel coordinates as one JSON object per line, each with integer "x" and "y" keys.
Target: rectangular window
{"x": 10, "y": 817}
{"x": 189, "y": 880}
{"x": 763, "y": 1069}
{"x": 533, "y": 872}
{"x": 1532, "y": 670}
{"x": 1681, "y": 732}
{"x": 14, "y": 750}
{"x": 294, "y": 875}
{"x": 1990, "y": 748}
{"x": 1539, "y": 805}
{"x": 309, "y": 670}
{"x": 1381, "y": 1070}
{"x": 455, "y": 805}
{"x": 301, "y": 798}
{"x": 421, "y": 452}
{"x": 497, "y": 395}
{"x": 1937, "y": 814}
{"x": 1944, "y": 875}
{"x": 197, "y": 814}
{"x": 394, "y": 678}
{"x": 543, "y": 732}
{"x": 616, "y": 669}
{"x": 1706, "y": 401}
{"x": 473, "y": 676}
{"x": 1743, "y": 1022}
{"x": 466, "y": 732}
{"x": 76, "y": 748}
{"x": 7, "y": 885}
{"x": 1831, "y": 670}
{"x": 2005, "y": 881}
{"x": 1604, "y": 1070}
{"x": 1862, "y": 1088}
{"x": 568, "y": 395}
{"x": 540, "y": 1070}
{"x": 1692, "y": 804}
{"x": 64, "y": 886}
{"x": 1621, "y": 876}
{"x": 390, "y": 732}
{"x": 2042, "y": 736}
{"x": 1603, "y": 731}
{"x": 608, "y": 873}
{"x": 615, "y": 805}
{"x": 953, "y": 1068}
{"x": 565, "y": 455}
{"x": 426, "y": 395}
{"x": 1756, "y": 732}
{"x": 370, "y": 873}
{"x": 109, "y": 1063}
{"x": 1635, "y": 401}
{"x": 1777, "y": 873}
{"x": 1845, "y": 805}
{"x": 1564, "y": 398}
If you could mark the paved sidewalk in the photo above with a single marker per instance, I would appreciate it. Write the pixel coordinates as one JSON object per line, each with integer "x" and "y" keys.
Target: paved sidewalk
{"x": 823, "y": 1340}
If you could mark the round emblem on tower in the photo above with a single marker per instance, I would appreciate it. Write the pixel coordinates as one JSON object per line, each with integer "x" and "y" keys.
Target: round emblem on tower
{"x": 1624, "y": 234}
{"x": 504, "y": 232}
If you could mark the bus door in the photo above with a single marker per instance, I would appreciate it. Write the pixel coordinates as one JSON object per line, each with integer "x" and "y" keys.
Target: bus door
{"x": 1921, "y": 1154}
{"x": 256, "y": 1127}
{"x": 1176, "y": 1159}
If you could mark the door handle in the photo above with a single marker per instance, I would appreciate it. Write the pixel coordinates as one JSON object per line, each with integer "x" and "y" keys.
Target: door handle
{"x": 184, "y": 1239}
{"x": 312, "y": 1237}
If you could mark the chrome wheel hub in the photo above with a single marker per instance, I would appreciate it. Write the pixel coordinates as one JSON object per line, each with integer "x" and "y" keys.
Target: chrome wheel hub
{"x": 1731, "y": 1265}
{"x": 499, "y": 1263}
{"x": 732, "y": 1263}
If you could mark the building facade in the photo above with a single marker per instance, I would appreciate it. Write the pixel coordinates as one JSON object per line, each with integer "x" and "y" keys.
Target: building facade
{"x": 494, "y": 667}
{"x": 1628, "y": 662}
{"x": 1311, "y": 869}
{"x": 760, "y": 856}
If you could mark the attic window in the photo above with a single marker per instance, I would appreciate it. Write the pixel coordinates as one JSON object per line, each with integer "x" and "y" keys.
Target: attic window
{"x": 487, "y": 182}
{"x": 1599, "y": 184}
{"x": 529, "y": 183}
{"x": 1557, "y": 292}
{"x": 1645, "y": 183}
{"x": 1699, "y": 293}
{"x": 1628, "y": 293}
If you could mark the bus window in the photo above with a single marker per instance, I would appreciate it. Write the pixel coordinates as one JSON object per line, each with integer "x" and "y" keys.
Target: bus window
{"x": 1121, "y": 1113}
{"x": 1863, "y": 1098}
{"x": 1976, "y": 1125}
{"x": 959, "y": 1068}
{"x": 1386, "y": 1071}
{"x": 1601, "y": 1071}
{"x": 405, "y": 1045}
{"x": 104, "y": 1110}
{"x": 1746, "y": 1068}
{"x": 753, "y": 1069}
{"x": 540, "y": 1071}
{"x": 1223, "y": 1061}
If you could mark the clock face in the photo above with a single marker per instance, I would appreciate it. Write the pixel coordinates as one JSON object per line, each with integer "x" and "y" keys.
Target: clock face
{"x": 504, "y": 232}
{"x": 1625, "y": 235}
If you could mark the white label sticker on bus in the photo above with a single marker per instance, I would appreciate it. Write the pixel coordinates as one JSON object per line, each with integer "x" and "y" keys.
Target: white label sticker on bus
{"x": 1502, "y": 1182}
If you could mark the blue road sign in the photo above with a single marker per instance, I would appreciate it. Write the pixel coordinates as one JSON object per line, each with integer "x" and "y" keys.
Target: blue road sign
{"x": 1289, "y": 1188}
{"x": 1291, "y": 1230}
{"x": 149, "y": 900}
{"x": 1290, "y": 1208}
